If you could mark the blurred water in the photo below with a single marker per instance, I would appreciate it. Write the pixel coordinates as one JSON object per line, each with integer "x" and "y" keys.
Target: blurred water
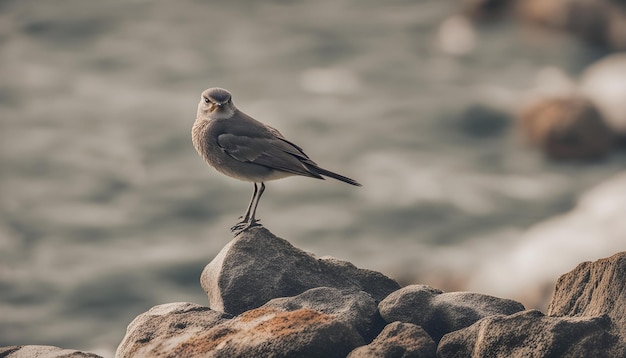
{"x": 106, "y": 209}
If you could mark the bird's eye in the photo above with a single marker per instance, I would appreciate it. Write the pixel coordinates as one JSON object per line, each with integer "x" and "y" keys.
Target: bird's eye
{"x": 206, "y": 100}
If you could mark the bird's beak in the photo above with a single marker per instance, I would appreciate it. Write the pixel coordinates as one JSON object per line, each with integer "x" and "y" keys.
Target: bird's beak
{"x": 214, "y": 106}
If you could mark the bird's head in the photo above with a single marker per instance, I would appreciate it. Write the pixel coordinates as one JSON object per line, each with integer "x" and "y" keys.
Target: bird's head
{"x": 216, "y": 103}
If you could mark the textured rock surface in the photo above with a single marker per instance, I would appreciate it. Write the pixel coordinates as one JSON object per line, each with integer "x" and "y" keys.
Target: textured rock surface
{"x": 398, "y": 339}
{"x": 265, "y": 331}
{"x": 531, "y": 334}
{"x": 187, "y": 330}
{"x": 592, "y": 289}
{"x": 31, "y": 351}
{"x": 257, "y": 266}
{"x": 319, "y": 322}
{"x": 156, "y": 332}
{"x": 357, "y": 309}
{"x": 438, "y": 312}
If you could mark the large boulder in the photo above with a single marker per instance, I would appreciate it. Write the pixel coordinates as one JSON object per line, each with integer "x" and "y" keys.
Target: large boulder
{"x": 532, "y": 334}
{"x": 594, "y": 288}
{"x": 266, "y": 331}
{"x": 31, "y": 351}
{"x": 398, "y": 339}
{"x": 319, "y": 322}
{"x": 438, "y": 312}
{"x": 257, "y": 266}
{"x": 189, "y": 330}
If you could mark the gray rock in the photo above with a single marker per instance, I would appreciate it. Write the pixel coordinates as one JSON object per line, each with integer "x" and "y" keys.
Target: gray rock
{"x": 398, "y": 340}
{"x": 531, "y": 334}
{"x": 594, "y": 288}
{"x": 357, "y": 309}
{"x": 31, "y": 351}
{"x": 154, "y": 333}
{"x": 257, "y": 266}
{"x": 438, "y": 312}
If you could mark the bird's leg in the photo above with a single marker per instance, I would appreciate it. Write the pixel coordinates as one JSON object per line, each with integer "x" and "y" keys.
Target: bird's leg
{"x": 258, "y": 198}
{"x": 246, "y": 216}
{"x": 244, "y": 219}
{"x": 251, "y": 218}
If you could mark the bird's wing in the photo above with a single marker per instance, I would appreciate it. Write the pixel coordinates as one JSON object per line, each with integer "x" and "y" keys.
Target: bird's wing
{"x": 270, "y": 151}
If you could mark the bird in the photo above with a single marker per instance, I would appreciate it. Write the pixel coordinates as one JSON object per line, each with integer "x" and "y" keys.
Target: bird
{"x": 239, "y": 146}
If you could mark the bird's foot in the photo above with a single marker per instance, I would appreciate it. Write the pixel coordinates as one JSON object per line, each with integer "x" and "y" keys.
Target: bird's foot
{"x": 244, "y": 225}
{"x": 241, "y": 221}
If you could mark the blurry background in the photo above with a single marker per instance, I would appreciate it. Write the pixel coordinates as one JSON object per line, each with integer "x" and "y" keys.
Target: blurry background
{"x": 486, "y": 134}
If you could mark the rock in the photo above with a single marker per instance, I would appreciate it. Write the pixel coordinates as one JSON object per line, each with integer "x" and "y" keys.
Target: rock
{"x": 319, "y": 322}
{"x": 586, "y": 315}
{"x": 600, "y": 22}
{"x": 188, "y": 330}
{"x": 532, "y": 334}
{"x": 31, "y": 351}
{"x": 257, "y": 266}
{"x": 154, "y": 333}
{"x": 357, "y": 309}
{"x": 567, "y": 128}
{"x": 485, "y": 9}
{"x": 604, "y": 83}
{"x": 438, "y": 312}
{"x": 398, "y": 339}
{"x": 594, "y": 288}
{"x": 267, "y": 331}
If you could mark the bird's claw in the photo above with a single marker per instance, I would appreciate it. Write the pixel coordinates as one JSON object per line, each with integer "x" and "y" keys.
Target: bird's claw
{"x": 243, "y": 226}
{"x": 242, "y": 220}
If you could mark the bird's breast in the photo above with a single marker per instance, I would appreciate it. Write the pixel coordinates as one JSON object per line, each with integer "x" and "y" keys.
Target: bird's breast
{"x": 204, "y": 136}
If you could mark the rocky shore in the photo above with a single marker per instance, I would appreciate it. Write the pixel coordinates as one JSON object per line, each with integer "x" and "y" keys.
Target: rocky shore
{"x": 268, "y": 298}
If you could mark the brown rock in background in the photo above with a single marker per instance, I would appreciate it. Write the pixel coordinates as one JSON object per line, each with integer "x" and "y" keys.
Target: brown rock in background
{"x": 567, "y": 128}
{"x": 485, "y": 9}
{"x": 599, "y": 22}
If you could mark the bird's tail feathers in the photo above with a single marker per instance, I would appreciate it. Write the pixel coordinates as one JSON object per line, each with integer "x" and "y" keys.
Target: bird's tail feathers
{"x": 328, "y": 173}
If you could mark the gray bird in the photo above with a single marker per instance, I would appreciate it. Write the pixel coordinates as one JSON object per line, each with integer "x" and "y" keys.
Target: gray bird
{"x": 241, "y": 147}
